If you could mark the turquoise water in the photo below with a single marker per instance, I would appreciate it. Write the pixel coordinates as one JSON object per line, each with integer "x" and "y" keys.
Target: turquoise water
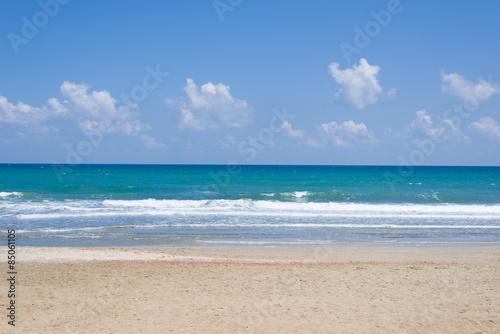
{"x": 200, "y": 205}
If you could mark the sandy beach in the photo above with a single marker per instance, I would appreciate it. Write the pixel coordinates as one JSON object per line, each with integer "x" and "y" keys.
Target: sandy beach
{"x": 257, "y": 290}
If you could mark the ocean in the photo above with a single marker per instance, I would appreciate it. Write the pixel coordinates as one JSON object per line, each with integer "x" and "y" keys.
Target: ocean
{"x": 219, "y": 205}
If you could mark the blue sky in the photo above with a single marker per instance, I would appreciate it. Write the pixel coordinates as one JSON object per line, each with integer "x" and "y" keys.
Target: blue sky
{"x": 253, "y": 82}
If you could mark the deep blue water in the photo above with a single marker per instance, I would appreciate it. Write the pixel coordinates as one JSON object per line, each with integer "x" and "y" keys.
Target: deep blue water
{"x": 200, "y": 205}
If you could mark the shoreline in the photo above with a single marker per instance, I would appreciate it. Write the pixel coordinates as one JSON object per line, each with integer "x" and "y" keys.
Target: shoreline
{"x": 319, "y": 254}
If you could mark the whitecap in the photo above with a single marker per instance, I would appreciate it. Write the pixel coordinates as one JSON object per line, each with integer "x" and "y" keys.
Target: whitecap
{"x": 5, "y": 195}
{"x": 249, "y": 208}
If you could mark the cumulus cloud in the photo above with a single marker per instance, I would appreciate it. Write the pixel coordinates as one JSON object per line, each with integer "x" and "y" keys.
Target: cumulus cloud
{"x": 188, "y": 121}
{"x": 95, "y": 104}
{"x": 346, "y": 134}
{"x": 56, "y": 107}
{"x": 89, "y": 109}
{"x": 487, "y": 126}
{"x": 79, "y": 104}
{"x": 359, "y": 84}
{"x": 425, "y": 126}
{"x": 290, "y": 132}
{"x": 22, "y": 113}
{"x": 98, "y": 106}
{"x": 210, "y": 106}
{"x": 455, "y": 84}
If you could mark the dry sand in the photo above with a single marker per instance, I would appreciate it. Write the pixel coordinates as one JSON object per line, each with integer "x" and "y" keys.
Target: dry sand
{"x": 257, "y": 290}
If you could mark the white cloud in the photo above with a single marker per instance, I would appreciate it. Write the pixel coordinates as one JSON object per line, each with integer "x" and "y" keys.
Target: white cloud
{"x": 188, "y": 121}
{"x": 346, "y": 133}
{"x": 89, "y": 109}
{"x": 21, "y": 113}
{"x": 129, "y": 127}
{"x": 359, "y": 84}
{"x": 92, "y": 108}
{"x": 57, "y": 107}
{"x": 290, "y": 132}
{"x": 97, "y": 104}
{"x": 210, "y": 107}
{"x": 392, "y": 93}
{"x": 425, "y": 125}
{"x": 312, "y": 142}
{"x": 88, "y": 126}
{"x": 152, "y": 143}
{"x": 455, "y": 84}
{"x": 487, "y": 126}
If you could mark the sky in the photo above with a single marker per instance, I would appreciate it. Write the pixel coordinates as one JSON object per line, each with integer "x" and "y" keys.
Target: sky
{"x": 250, "y": 82}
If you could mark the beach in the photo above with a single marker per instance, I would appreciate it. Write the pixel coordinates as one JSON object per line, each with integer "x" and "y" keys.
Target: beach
{"x": 241, "y": 166}
{"x": 257, "y": 290}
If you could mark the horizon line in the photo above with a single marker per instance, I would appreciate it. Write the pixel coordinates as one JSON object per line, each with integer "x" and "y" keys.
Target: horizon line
{"x": 234, "y": 164}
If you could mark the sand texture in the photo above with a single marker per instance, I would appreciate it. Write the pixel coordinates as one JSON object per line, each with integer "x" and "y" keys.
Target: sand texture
{"x": 257, "y": 290}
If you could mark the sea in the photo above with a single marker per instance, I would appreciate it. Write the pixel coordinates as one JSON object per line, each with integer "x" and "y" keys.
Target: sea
{"x": 241, "y": 205}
